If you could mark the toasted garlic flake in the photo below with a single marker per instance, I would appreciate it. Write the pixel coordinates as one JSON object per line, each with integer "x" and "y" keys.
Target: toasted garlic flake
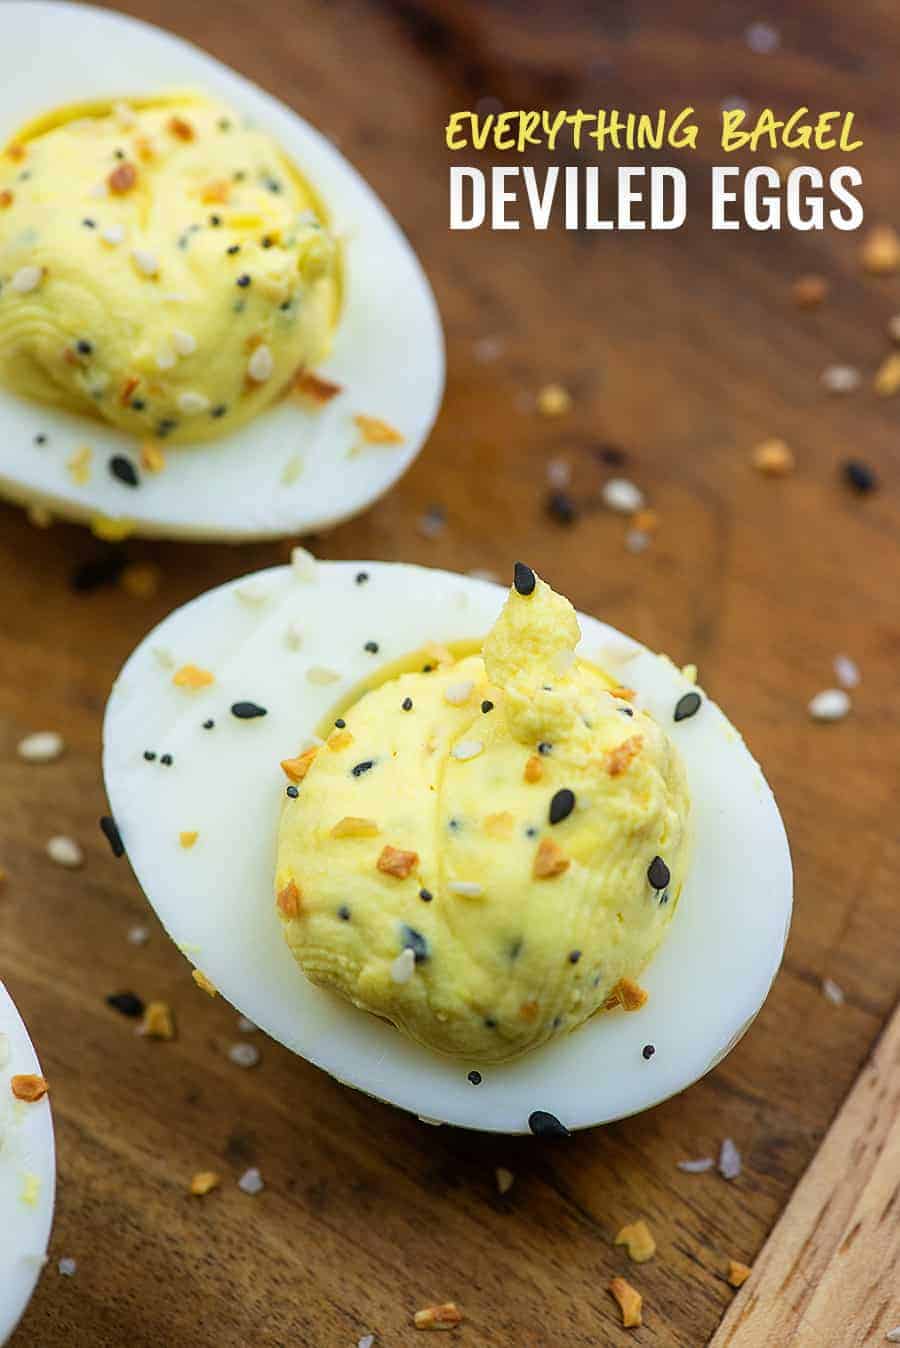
{"x": 394, "y": 861}
{"x": 630, "y": 1301}
{"x": 204, "y": 1182}
{"x": 639, "y": 1241}
{"x": 446, "y": 1316}
{"x": 203, "y": 983}
{"x": 351, "y": 826}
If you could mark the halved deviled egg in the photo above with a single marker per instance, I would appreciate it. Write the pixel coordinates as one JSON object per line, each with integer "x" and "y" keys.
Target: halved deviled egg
{"x": 209, "y": 325}
{"x": 27, "y": 1167}
{"x": 527, "y": 869}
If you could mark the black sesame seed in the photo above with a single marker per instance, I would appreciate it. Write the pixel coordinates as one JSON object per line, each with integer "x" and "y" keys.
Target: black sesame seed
{"x": 215, "y": 221}
{"x": 360, "y": 768}
{"x": 531, "y": 831}
{"x": 224, "y": 124}
{"x": 574, "y": 956}
{"x": 490, "y": 1023}
{"x": 138, "y": 405}
{"x": 208, "y": 725}
{"x": 344, "y": 913}
{"x": 626, "y": 711}
{"x": 239, "y": 175}
{"x": 165, "y": 427}
{"x": 149, "y": 755}
{"x": 543, "y": 1124}
{"x": 454, "y": 825}
{"x": 658, "y": 874}
{"x": 247, "y": 711}
{"x": 112, "y": 835}
{"x": 524, "y": 579}
{"x": 340, "y": 723}
{"x": 371, "y": 647}
{"x": 647, "y": 1052}
{"x": 562, "y": 805}
{"x": 83, "y": 348}
{"x": 102, "y": 570}
{"x": 119, "y": 154}
{"x": 233, "y": 249}
{"x": 407, "y": 704}
{"x": 285, "y": 305}
{"x": 487, "y": 706}
{"x": 124, "y": 470}
{"x": 515, "y": 949}
{"x": 218, "y": 411}
{"x": 561, "y": 507}
{"x": 89, "y": 224}
{"x": 687, "y": 706}
{"x": 859, "y": 475}
{"x": 40, "y": 439}
{"x": 267, "y": 241}
{"x": 362, "y": 577}
{"x": 243, "y": 280}
{"x": 414, "y": 940}
{"x": 545, "y": 747}
{"x": 426, "y": 895}
{"x": 612, "y": 454}
{"x": 167, "y": 760}
{"x": 292, "y": 792}
{"x": 475, "y": 1078}
{"x": 127, "y": 1003}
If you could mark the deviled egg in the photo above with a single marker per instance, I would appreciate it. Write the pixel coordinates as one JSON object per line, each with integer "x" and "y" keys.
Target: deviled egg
{"x": 496, "y": 835}
{"x": 209, "y": 326}
{"x": 27, "y": 1167}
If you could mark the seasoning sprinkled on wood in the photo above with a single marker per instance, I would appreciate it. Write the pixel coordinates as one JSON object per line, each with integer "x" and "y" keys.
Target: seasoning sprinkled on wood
{"x": 773, "y": 458}
{"x": 638, "y": 1239}
{"x": 203, "y": 1183}
{"x": 158, "y": 1022}
{"x": 738, "y": 1273}
{"x": 630, "y": 1302}
{"x": 126, "y": 1003}
{"x": 446, "y": 1316}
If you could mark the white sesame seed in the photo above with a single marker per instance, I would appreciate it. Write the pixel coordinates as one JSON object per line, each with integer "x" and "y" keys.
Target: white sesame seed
{"x": 847, "y": 671}
{"x": 832, "y": 704}
{"x": 244, "y": 1055}
{"x": 26, "y": 279}
{"x": 183, "y": 343}
{"x": 113, "y": 235}
{"x": 840, "y": 379}
{"x": 403, "y": 966}
{"x": 458, "y": 693}
{"x": 191, "y": 403}
{"x": 165, "y": 358}
{"x": 697, "y": 1167}
{"x": 292, "y": 469}
{"x": 4, "y": 1049}
{"x": 762, "y": 38}
{"x": 251, "y": 594}
{"x": 467, "y": 889}
{"x": 729, "y": 1160}
{"x": 41, "y": 747}
{"x": 251, "y": 1182}
{"x": 505, "y": 1179}
{"x": 164, "y": 657}
{"x": 67, "y": 1267}
{"x": 146, "y": 262}
{"x": 621, "y": 495}
{"x": 260, "y": 364}
{"x": 138, "y": 935}
{"x": 246, "y": 1026}
{"x": 65, "y": 852}
{"x": 303, "y": 564}
{"x": 318, "y": 674}
{"x": 832, "y": 992}
{"x": 293, "y": 637}
{"x": 467, "y": 749}
{"x": 366, "y": 1341}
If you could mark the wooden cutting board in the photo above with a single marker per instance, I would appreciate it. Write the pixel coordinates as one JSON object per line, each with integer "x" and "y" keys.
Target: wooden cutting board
{"x": 683, "y": 350}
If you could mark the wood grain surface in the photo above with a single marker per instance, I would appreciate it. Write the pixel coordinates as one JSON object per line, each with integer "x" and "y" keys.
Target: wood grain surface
{"x": 683, "y": 349}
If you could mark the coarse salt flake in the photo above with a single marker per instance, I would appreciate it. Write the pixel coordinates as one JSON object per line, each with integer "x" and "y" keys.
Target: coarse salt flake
{"x": 457, "y": 694}
{"x": 840, "y": 379}
{"x": 41, "y": 747}
{"x": 183, "y": 343}
{"x": 251, "y": 594}
{"x": 244, "y": 1055}
{"x": 623, "y": 496}
{"x": 729, "y": 1160}
{"x": 67, "y": 1267}
{"x": 319, "y": 675}
{"x": 832, "y": 704}
{"x": 698, "y": 1166}
{"x": 847, "y": 671}
{"x": 113, "y": 235}
{"x": 251, "y": 1182}
{"x": 303, "y": 564}
{"x": 832, "y": 992}
{"x": 65, "y": 852}
{"x": 261, "y": 364}
{"x": 26, "y": 279}
{"x": 146, "y": 262}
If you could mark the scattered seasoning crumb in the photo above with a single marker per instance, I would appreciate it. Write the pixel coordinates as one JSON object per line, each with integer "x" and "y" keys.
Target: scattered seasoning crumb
{"x": 841, "y": 379}
{"x": 729, "y": 1160}
{"x": 809, "y": 291}
{"x": 773, "y": 458}
{"x": 67, "y": 1267}
{"x": 39, "y": 517}
{"x": 638, "y": 1239}
{"x": 505, "y": 1179}
{"x": 534, "y": 769}
{"x": 887, "y": 378}
{"x": 203, "y": 1182}
{"x": 203, "y": 983}
{"x": 847, "y": 671}
{"x": 893, "y": 1335}
{"x": 832, "y": 704}
{"x": 315, "y": 388}
{"x": 152, "y": 455}
{"x": 562, "y": 805}
{"x": 26, "y": 279}
{"x": 559, "y": 473}
{"x": 43, "y": 746}
{"x": 244, "y": 1055}
{"x": 65, "y": 852}
{"x": 377, "y": 432}
{"x": 251, "y": 1182}
{"x": 122, "y": 179}
{"x": 367, "y": 1341}
{"x": 261, "y": 364}
{"x": 698, "y": 1166}
{"x": 126, "y": 1003}
{"x": 524, "y": 579}
{"x": 158, "y": 1022}
{"x": 293, "y": 637}
{"x": 859, "y": 475}
{"x": 446, "y": 1316}
{"x": 627, "y": 994}
{"x": 146, "y": 262}
{"x": 140, "y": 579}
{"x": 190, "y": 676}
{"x": 880, "y": 251}
{"x": 738, "y": 1273}
{"x": 246, "y": 1026}
{"x": 630, "y": 1302}
{"x": 549, "y": 860}
{"x": 543, "y": 1124}
{"x": 832, "y": 992}
{"x": 28, "y": 1087}
{"x": 637, "y": 541}
{"x": 252, "y": 595}
{"x": 622, "y": 496}
{"x": 458, "y": 694}
{"x": 394, "y": 861}
{"x": 762, "y": 38}
{"x": 553, "y": 400}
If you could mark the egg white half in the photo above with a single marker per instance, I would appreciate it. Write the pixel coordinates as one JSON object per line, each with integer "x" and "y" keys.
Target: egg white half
{"x": 388, "y": 352}
{"x": 26, "y": 1148}
{"x": 706, "y": 983}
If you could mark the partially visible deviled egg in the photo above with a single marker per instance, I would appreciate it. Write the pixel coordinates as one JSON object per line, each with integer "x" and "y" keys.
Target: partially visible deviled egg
{"x": 476, "y": 831}
{"x": 209, "y": 326}
{"x": 27, "y": 1167}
